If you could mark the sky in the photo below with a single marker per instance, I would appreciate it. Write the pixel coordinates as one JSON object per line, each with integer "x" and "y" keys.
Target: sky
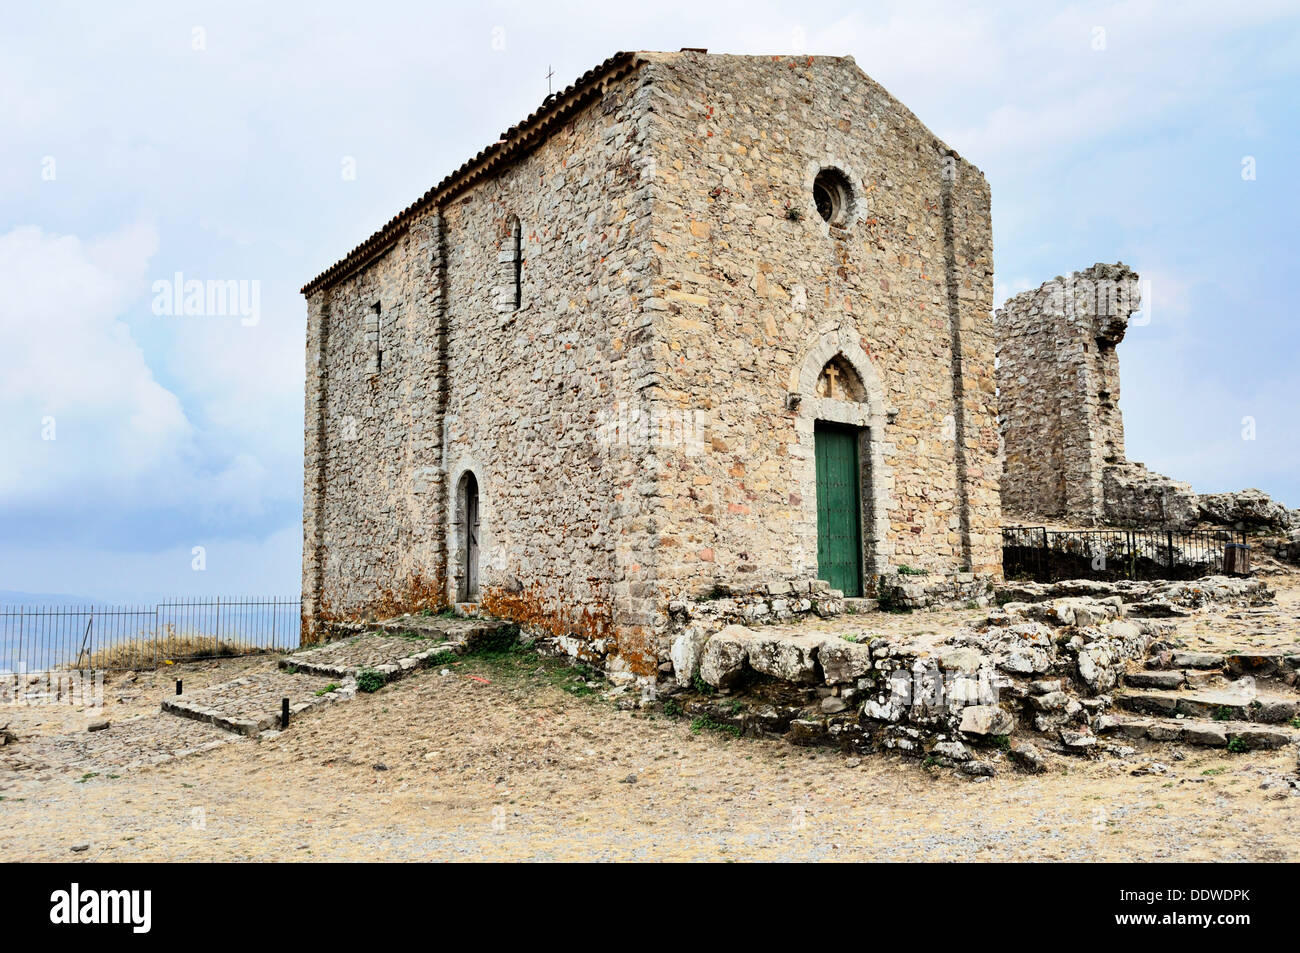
{"x": 147, "y": 450}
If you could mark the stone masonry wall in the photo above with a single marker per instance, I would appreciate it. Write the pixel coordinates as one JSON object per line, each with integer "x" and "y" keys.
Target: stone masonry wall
{"x": 565, "y": 535}
{"x": 517, "y": 397}
{"x": 755, "y": 293}
{"x": 373, "y": 479}
{"x": 1058, "y": 391}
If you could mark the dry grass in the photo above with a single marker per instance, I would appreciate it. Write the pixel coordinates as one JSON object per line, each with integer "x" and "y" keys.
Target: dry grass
{"x": 148, "y": 652}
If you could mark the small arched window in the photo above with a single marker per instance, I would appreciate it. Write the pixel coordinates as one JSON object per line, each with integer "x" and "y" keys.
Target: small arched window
{"x": 517, "y": 260}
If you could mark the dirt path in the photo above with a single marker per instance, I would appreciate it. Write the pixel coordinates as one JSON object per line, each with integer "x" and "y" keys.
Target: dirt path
{"x": 499, "y": 760}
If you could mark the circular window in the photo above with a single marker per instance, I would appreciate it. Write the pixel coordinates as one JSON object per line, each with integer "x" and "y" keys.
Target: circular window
{"x": 832, "y": 196}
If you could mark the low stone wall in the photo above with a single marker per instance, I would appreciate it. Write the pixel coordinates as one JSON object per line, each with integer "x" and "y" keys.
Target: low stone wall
{"x": 1148, "y": 598}
{"x": 1044, "y": 667}
{"x": 778, "y": 601}
{"x": 934, "y": 590}
{"x": 693, "y": 621}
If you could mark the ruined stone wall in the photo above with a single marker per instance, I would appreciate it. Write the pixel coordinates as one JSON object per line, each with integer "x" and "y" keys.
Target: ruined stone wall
{"x": 756, "y": 292}
{"x": 522, "y": 398}
{"x": 1058, "y": 391}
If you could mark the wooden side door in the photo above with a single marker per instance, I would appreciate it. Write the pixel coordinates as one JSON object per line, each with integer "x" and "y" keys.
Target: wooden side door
{"x": 839, "y": 511}
{"x": 470, "y": 530}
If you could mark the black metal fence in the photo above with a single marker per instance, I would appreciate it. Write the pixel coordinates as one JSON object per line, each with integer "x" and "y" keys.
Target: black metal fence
{"x": 39, "y": 638}
{"x": 1035, "y": 552}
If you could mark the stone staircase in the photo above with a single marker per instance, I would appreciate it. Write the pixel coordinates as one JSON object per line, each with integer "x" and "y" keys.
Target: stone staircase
{"x": 1239, "y": 700}
{"x": 330, "y": 672}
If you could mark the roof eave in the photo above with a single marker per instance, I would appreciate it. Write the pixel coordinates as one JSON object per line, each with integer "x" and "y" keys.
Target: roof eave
{"x": 516, "y": 141}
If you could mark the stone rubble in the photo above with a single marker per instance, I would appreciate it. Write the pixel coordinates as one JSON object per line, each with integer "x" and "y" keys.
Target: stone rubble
{"x": 1049, "y": 666}
{"x": 1060, "y": 663}
{"x": 1248, "y": 509}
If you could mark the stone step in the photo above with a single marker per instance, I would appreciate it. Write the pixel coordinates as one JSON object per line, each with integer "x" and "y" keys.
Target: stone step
{"x": 1196, "y": 731}
{"x": 1218, "y": 704}
{"x": 1258, "y": 664}
{"x": 392, "y": 656}
{"x": 1168, "y": 679}
{"x": 861, "y": 606}
{"x": 1179, "y": 659}
{"x": 1172, "y": 679}
{"x": 252, "y": 704}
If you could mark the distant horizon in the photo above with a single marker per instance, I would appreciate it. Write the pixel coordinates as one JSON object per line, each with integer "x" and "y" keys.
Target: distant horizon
{"x": 19, "y": 597}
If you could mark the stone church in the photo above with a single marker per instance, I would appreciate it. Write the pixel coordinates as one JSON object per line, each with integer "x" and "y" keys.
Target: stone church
{"x": 699, "y": 321}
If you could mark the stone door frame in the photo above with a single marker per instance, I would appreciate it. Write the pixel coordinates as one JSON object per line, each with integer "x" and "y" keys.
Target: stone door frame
{"x": 869, "y": 417}
{"x": 464, "y": 581}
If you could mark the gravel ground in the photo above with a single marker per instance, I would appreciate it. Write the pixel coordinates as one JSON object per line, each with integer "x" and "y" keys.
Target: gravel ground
{"x": 500, "y": 759}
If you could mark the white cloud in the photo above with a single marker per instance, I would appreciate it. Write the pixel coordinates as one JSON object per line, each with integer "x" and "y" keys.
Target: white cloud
{"x": 71, "y": 363}
{"x": 234, "y": 567}
{"x": 83, "y": 416}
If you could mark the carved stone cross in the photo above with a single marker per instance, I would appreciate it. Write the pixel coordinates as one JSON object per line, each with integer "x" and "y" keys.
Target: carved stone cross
{"x": 829, "y": 375}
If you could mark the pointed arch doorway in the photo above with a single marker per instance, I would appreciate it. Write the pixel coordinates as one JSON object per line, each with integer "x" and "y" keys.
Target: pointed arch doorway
{"x": 841, "y": 418}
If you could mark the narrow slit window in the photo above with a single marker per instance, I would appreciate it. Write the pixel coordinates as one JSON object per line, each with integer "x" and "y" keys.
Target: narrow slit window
{"x": 376, "y": 343}
{"x": 517, "y": 258}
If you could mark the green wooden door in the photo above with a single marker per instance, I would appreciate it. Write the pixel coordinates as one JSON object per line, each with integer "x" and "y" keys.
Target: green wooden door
{"x": 839, "y": 519}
